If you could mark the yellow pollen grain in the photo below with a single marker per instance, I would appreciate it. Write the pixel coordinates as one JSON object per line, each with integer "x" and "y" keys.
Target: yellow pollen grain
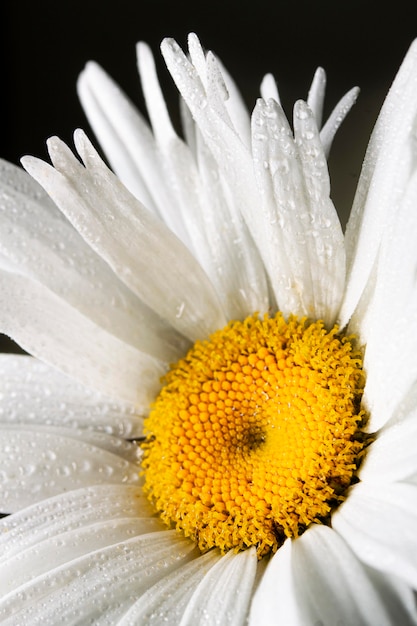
{"x": 256, "y": 433}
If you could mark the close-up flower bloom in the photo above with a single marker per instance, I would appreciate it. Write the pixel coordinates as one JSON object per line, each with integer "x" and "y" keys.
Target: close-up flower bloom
{"x": 216, "y": 420}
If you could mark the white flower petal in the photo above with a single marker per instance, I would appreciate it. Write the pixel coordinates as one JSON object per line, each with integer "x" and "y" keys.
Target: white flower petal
{"x": 165, "y": 601}
{"x": 398, "y": 598}
{"x": 63, "y": 548}
{"x": 275, "y": 599}
{"x": 233, "y": 158}
{"x": 379, "y": 524}
{"x": 315, "y": 99}
{"x": 224, "y": 594}
{"x": 37, "y": 464}
{"x": 32, "y": 393}
{"x": 386, "y": 326}
{"x": 303, "y": 242}
{"x": 235, "y": 163}
{"x": 134, "y": 242}
{"x": 336, "y": 117}
{"x": 388, "y": 164}
{"x": 179, "y": 163}
{"x": 98, "y": 587}
{"x": 227, "y": 254}
{"x": 41, "y": 244}
{"x": 129, "y": 145}
{"x": 317, "y": 579}
{"x": 70, "y": 511}
{"x": 324, "y": 237}
{"x": 235, "y": 106}
{"x": 269, "y": 89}
{"x": 235, "y": 267}
{"x": 115, "y": 445}
{"x": 221, "y": 88}
{"x": 121, "y": 130}
{"x": 50, "y": 329}
{"x": 155, "y": 102}
{"x": 392, "y": 456}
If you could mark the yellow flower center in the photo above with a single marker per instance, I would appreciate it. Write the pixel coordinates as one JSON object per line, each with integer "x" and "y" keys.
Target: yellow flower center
{"x": 255, "y": 434}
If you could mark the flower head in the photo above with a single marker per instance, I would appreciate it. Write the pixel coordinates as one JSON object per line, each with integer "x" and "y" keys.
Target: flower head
{"x": 220, "y": 426}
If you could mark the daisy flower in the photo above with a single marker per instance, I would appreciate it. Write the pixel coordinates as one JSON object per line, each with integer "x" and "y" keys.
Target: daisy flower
{"x": 217, "y": 424}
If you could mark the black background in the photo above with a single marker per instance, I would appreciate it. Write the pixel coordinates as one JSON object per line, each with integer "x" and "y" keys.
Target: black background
{"x": 45, "y": 44}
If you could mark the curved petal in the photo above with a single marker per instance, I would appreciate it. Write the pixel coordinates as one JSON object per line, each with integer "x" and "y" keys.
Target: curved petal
{"x": 224, "y": 594}
{"x": 165, "y": 601}
{"x": 392, "y": 456}
{"x": 304, "y": 250}
{"x": 269, "y": 89}
{"x": 232, "y": 157}
{"x": 219, "y": 237}
{"x": 145, "y": 255}
{"x": 70, "y": 511}
{"x": 325, "y": 584}
{"x": 39, "y": 243}
{"x": 336, "y": 117}
{"x": 388, "y": 163}
{"x": 275, "y": 599}
{"x": 33, "y": 393}
{"x": 59, "y": 550}
{"x": 236, "y": 163}
{"x": 50, "y": 329}
{"x": 386, "y": 326}
{"x": 37, "y": 463}
{"x": 129, "y": 145}
{"x": 379, "y": 523}
{"x": 123, "y": 134}
{"x": 98, "y": 587}
{"x": 317, "y": 91}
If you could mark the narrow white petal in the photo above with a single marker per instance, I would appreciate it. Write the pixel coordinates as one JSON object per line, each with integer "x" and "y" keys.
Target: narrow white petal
{"x": 123, "y": 134}
{"x": 379, "y": 524}
{"x": 165, "y": 601}
{"x": 324, "y": 237}
{"x": 145, "y": 255}
{"x": 41, "y": 244}
{"x": 388, "y": 163}
{"x": 226, "y": 253}
{"x": 234, "y": 265}
{"x": 304, "y": 250}
{"x": 70, "y": 511}
{"x": 235, "y": 106}
{"x": 392, "y": 456}
{"x": 197, "y": 57}
{"x": 324, "y": 583}
{"x": 386, "y": 325}
{"x": 333, "y": 585}
{"x": 315, "y": 99}
{"x": 179, "y": 164}
{"x": 156, "y": 106}
{"x": 233, "y": 158}
{"x": 188, "y": 127}
{"x": 275, "y": 600}
{"x": 224, "y": 594}
{"x": 310, "y": 280}
{"x": 61, "y": 549}
{"x": 130, "y": 146}
{"x": 37, "y": 464}
{"x": 269, "y": 89}
{"x": 220, "y": 87}
{"x": 33, "y": 393}
{"x": 98, "y": 587}
{"x": 336, "y": 117}
{"x": 50, "y": 329}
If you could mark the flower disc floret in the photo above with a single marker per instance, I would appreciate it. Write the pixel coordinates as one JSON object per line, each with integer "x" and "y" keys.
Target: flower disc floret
{"x": 256, "y": 433}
